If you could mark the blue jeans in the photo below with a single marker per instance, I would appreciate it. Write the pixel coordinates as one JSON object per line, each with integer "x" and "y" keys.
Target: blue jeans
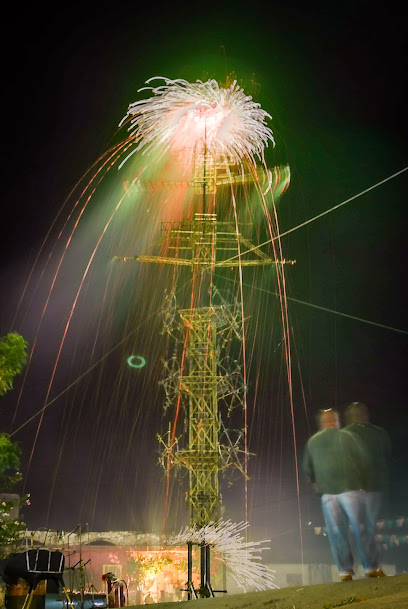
{"x": 341, "y": 512}
{"x": 374, "y": 502}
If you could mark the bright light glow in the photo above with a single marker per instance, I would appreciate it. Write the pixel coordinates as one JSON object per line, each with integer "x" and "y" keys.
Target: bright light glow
{"x": 242, "y": 557}
{"x": 182, "y": 116}
{"x": 136, "y": 361}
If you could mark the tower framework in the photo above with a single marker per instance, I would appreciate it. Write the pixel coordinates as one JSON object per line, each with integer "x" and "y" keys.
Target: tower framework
{"x": 206, "y": 245}
{"x": 202, "y": 457}
{"x": 213, "y": 133}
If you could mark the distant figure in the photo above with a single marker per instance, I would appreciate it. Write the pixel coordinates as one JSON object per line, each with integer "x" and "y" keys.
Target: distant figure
{"x": 337, "y": 464}
{"x": 378, "y": 446}
{"x": 148, "y": 600}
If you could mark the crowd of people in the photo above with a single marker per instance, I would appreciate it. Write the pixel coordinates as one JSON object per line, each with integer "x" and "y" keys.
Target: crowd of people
{"x": 349, "y": 469}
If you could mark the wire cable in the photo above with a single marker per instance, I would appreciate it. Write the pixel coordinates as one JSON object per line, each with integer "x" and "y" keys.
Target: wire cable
{"x": 310, "y": 304}
{"x": 324, "y": 213}
{"x": 79, "y": 378}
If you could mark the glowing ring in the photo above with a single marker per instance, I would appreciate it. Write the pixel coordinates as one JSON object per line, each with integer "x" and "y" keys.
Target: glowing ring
{"x": 136, "y": 361}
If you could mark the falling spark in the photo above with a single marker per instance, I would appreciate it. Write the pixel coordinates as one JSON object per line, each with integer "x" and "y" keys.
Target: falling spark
{"x": 179, "y": 123}
{"x": 182, "y": 116}
{"x": 243, "y": 558}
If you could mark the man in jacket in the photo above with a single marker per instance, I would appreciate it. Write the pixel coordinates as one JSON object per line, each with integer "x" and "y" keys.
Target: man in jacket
{"x": 377, "y": 444}
{"x": 338, "y": 466}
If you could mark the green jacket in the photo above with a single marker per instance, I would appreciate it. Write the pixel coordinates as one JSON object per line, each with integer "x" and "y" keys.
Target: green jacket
{"x": 378, "y": 446}
{"x": 336, "y": 461}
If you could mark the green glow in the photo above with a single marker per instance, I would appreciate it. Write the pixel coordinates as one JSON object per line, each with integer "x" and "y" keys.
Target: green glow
{"x": 136, "y": 361}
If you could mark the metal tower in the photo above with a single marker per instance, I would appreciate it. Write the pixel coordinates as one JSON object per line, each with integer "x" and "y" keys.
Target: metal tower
{"x": 204, "y": 245}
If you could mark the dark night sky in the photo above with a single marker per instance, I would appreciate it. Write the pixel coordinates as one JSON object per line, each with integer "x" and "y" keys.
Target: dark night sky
{"x": 333, "y": 80}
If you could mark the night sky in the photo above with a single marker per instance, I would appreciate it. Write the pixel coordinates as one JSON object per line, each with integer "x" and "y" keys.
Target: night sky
{"x": 333, "y": 79}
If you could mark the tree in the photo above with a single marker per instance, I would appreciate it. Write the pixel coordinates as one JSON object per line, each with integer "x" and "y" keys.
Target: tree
{"x": 9, "y": 462}
{"x": 13, "y": 357}
{"x": 12, "y": 528}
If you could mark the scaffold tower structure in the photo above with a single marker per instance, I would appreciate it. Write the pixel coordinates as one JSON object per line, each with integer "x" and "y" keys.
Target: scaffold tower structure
{"x": 204, "y": 245}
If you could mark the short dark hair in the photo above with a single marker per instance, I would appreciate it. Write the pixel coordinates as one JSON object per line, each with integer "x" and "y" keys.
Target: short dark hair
{"x": 356, "y": 412}
{"x": 323, "y": 411}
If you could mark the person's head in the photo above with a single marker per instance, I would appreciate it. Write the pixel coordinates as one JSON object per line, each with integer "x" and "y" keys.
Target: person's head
{"x": 328, "y": 418}
{"x": 356, "y": 413}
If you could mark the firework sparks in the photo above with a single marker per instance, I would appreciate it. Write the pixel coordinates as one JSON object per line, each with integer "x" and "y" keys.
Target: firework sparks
{"x": 182, "y": 116}
{"x": 179, "y": 122}
{"x": 243, "y": 558}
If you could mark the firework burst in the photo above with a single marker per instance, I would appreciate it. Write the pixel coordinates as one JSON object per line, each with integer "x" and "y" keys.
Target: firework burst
{"x": 181, "y": 116}
{"x": 243, "y": 558}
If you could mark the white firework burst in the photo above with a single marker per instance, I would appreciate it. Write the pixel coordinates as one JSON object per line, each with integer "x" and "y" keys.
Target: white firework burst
{"x": 187, "y": 118}
{"x": 243, "y": 558}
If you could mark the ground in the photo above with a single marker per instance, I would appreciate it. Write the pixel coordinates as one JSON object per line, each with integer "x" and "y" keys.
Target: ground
{"x": 384, "y": 593}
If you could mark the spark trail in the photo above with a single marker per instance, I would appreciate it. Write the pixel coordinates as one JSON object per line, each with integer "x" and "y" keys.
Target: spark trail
{"x": 108, "y": 162}
{"x": 169, "y": 134}
{"x": 205, "y": 122}
{"x": 68, "y": 323}
{"x": 242, "y": 557}
{"x": 182, "y": 116}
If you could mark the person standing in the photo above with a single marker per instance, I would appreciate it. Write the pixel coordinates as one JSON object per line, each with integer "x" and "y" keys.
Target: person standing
{"x": 377, "y": 443}
{"x": 337, "y": 464}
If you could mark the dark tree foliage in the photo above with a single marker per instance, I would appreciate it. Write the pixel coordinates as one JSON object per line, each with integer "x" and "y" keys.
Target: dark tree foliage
{"x": 12, "y": 528}
{"x": 13, "y": 357}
